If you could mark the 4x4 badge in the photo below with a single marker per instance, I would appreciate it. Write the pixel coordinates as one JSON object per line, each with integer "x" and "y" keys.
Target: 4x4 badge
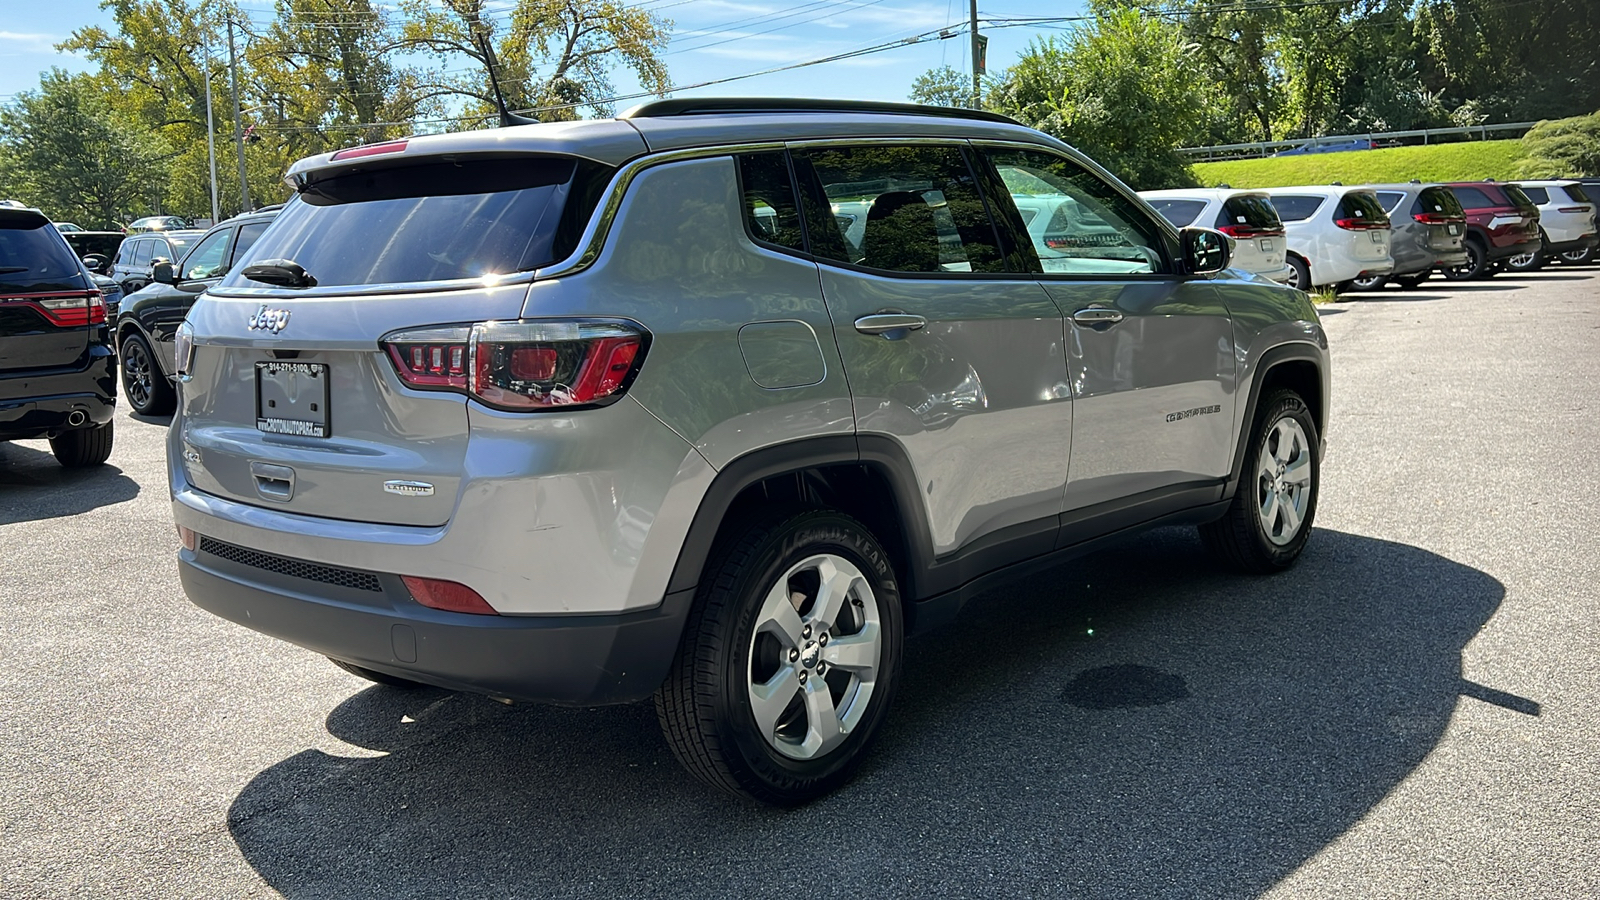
{"x": 273, "y": 320}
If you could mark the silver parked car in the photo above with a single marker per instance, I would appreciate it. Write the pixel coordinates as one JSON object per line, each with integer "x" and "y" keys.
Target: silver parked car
{"x": 1426, "y": 230}
{"x": 716, "y": 402}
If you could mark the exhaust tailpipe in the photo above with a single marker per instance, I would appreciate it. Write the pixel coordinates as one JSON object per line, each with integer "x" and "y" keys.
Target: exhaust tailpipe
{"x": 76, "y": 418}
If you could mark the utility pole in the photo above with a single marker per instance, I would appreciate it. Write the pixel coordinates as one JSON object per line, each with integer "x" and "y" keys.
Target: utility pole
{"x": 238, "y": 128}
{"x": 211, "y": 138}
{"x": 977, "y": 60}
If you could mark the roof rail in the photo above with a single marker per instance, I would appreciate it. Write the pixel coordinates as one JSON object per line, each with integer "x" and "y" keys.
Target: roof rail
{"x": 702, "y": 106}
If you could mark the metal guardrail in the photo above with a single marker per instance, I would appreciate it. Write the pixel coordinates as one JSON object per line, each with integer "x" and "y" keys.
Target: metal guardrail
{"x": 1251, "y": 149}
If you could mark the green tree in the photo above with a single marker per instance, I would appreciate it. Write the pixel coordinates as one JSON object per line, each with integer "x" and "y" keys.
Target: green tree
{"x": 943, "y": 86}
{"x": 1564, "y": 148}
{"x": 1125, "y": 88}
{"x": 552, "y": 56}
{"x": 1514, "y": 60}
{"x": 67, "y": 153}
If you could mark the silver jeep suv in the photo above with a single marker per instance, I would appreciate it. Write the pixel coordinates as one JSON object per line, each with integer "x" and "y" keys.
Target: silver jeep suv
{"x": 717, "y": 402}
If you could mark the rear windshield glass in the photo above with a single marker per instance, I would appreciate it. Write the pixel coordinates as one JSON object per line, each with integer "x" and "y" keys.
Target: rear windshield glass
{"x": 1518, "y": 198}
{"x": 1296, "y": 207}
{"x": 1439, "y": 202}
{"x": 435, "y": 221}
{"x": 1576, "y": 192}
{"x": 1537, "y": 194}
{"x": 1181, "y": 213}
{"x": 1362, "y": 206}
{"x": 1253, "y": 210}
{"x": 178, "y": 245}
{"x": 33, "y": 257}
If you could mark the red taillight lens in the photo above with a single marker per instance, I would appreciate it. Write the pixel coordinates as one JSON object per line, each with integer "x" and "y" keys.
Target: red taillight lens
{"x": 1438, "y": 219}
{"x": 522, "y": 365}
{"x": 1248, "y": 231}
{"x": 1362, "y": 224}
{"x": 186, "y": 537}
{"x": 447, "y": 595}
{"x": 69, "y": 310}
{"x": 1573, "y": 209}
{"x": 371, "y": 150}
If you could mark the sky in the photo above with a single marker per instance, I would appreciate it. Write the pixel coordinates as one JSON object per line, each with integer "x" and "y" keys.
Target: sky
{"x": 712, "y": 39}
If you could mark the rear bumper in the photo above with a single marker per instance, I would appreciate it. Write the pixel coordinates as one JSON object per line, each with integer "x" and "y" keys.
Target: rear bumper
{"x": 35, "y": 406}
{"x": 1498, "y": 252}
{"x": 370, "y": 619}
{"x": 1587, "y": 242}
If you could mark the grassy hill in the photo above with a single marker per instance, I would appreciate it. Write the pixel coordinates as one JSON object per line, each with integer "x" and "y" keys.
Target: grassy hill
{"x": 1467, "y": 161}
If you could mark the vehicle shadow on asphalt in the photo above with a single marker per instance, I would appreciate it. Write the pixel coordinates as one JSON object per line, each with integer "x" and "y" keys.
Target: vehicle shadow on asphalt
{"x": 33, "y": 486}
{"x": 1136, "y": 724}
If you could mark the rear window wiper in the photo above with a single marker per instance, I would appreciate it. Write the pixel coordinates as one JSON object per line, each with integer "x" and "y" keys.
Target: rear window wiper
{"x": 12, "y": 270}
{"x": 281, "y": 272}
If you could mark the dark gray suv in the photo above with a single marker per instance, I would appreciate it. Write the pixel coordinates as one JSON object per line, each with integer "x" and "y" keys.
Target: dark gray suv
{"x": 716, "y": 402}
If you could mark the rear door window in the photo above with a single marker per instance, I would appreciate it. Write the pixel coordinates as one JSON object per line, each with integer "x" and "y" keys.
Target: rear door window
{"x": 902, "y": 209}
{"x": 1538, "y": 195}
{"x": 431, "y": 220}
{"x": 1473, "y": 198}
{"x": 1296, "y": 207}
{"x": 33, "y": 257}
{"x": 1390, "y": 200}
{"x": 143, "y": 252}
{"x": 1181, "y": 213}
{"x": 247, "y": 239}
{"x": 1520, "y": 200}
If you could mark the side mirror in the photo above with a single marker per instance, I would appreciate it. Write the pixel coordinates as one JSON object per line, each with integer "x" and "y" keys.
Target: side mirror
{"x": 96, "y": 263}
{"x": 1206, "y": 251}
{"x": 162, "y": 273}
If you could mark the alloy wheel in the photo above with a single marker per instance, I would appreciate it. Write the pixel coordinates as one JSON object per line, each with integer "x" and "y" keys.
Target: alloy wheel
{"x": 815, "y": 654}
{"x": 136, "y": 374}
{"x": 1283, "y": 481}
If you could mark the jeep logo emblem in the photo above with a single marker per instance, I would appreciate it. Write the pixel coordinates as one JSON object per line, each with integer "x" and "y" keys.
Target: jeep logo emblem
{"x": 273, "y": 320}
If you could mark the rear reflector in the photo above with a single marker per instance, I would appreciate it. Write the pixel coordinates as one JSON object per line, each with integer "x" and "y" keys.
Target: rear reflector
{"x": 447, "y": 595}
{"x": 186, "y": 537}
{"x": 371, "y": 150}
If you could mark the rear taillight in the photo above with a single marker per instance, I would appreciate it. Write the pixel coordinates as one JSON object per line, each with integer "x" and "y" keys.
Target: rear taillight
{"x": 1573, "y": 209}
{"x": 1248, "y": 231}
{"x": 1438, "y": 219}
{"x": 66, "y": 310}
{"x": 1362, "y": 224}
{"x": 522, "y": 365}
{"x": 447, "y": 595}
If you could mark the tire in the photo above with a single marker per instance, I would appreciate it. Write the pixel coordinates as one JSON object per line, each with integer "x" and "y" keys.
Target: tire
{"x": 1477, "y": 263}
{"x": 1578, "y": 257}
{"x": 1282, "y": 465}
{"x": 1299, "y": 274}
{"x": 745, "y": 643}
{"x": 83, "y": 447}
{"x": 1370, "y": 283}
{"x": 143, "y": 383}
{"x": 1411, "y": 282}
{"x": 394, "y": 681}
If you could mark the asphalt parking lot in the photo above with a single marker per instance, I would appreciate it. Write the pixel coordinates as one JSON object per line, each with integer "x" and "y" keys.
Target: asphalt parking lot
{"x": 1414, "y": 710}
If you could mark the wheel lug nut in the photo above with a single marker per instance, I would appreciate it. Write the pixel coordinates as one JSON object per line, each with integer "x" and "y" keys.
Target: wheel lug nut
{"x": 794, "y": 655}
{"x": 823, "y": 640}
{"x": 805, "y": 632}
{"x": 821, "y": 667}
{"x": 802, "y": 677}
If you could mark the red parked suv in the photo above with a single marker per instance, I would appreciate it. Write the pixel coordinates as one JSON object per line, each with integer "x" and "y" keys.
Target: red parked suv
{"x": 1501, "y": 222}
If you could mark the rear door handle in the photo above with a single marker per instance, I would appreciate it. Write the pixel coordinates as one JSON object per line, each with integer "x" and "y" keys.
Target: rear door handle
{"x": 1097, "y": 315}
{"x": 888, "y": 323}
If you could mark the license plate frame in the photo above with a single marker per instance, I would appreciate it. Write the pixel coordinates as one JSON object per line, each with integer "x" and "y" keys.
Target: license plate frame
{"x": 292, "y": 398}
{"x": 1266, "y": 245}
{"x": 1378, "y": 237}
{"x": 1454, "y": 229}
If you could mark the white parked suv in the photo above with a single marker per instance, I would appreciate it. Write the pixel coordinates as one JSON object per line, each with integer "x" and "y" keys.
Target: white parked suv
{"x": 1246, "y": 216}
{"x": 1336, "y": 234}
{"x": 1566, "y": 223}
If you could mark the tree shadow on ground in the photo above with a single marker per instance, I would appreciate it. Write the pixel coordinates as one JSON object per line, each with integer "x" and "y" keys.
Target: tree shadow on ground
{"x": 33, "y": 486}
{"x": 1135, "y": 724}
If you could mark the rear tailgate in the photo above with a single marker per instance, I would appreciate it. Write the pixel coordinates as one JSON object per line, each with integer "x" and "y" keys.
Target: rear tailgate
{"x": 47, "y": 305}
{"x": 290, "y": 401}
